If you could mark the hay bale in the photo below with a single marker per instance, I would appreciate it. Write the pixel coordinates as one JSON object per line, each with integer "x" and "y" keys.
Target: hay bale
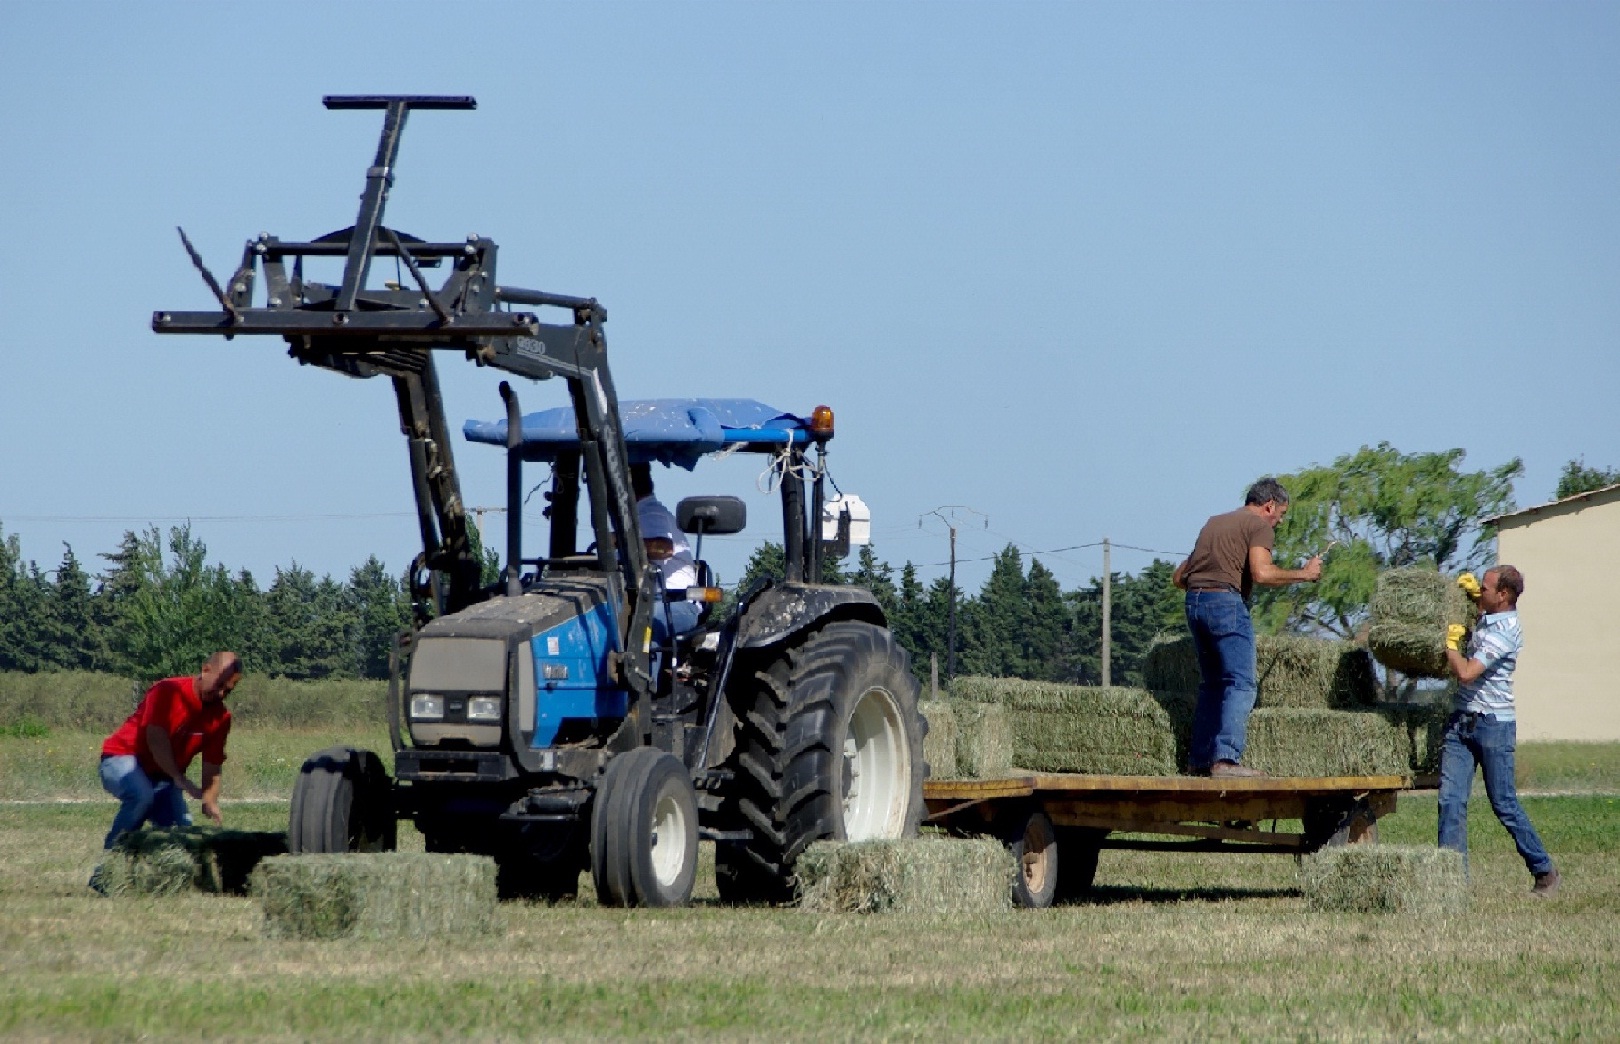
{"x": 934, "y": 875}
{"x": 984, "y": 743}
{"x": 157, "y": 861}
{"x": 1076, "y": 728}
{"x": 1408, "y": 617}
{"x": 1171, "y": 664}
{"x": 1287, "y": 741}
{"x": 376, "y": 895}
{"x": 939, "y": 744}
{"x": 1290, "y": 671}
{"x": 1385, "y": 879}
{"x": 1419, "y": 730}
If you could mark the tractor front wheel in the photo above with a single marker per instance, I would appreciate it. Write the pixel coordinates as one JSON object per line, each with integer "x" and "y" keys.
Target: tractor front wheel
{"x": 342, "y": 802}
{"x": 644, "y": 823}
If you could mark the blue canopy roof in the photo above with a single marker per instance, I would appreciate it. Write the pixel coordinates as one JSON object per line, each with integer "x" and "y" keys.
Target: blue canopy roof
{"x": 670, "y": 431}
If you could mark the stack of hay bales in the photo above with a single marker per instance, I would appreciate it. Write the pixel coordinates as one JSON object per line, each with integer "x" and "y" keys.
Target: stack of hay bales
{"x": 1385, "y": 879}
{"x": 1290, "y": 671}
{"x": 376, "y": 895}
{"x": 917, "y": 875}
{"x": 1410, "y": 612}
{"x": 158, "y": 861}
{"x": 1068, "y": 728}
{"x": 939, "y": 742}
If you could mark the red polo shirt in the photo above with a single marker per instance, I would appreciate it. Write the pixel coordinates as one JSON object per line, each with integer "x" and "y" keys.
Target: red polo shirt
{"x": 193, "y": 726}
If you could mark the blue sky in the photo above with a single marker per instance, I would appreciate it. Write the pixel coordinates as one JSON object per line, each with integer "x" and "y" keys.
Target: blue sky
{"x": 1087, "y": 269}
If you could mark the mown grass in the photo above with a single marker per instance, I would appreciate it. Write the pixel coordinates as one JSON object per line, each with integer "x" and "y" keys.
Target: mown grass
{"x": 1170, "y": 946}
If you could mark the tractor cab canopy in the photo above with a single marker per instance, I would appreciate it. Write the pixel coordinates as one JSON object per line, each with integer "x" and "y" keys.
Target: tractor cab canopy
{"x": 668, "y": 431}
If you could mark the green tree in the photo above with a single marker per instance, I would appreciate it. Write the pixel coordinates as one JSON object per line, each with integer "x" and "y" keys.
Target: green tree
{"x": 1046, "y": 643}
{"x": 381, "y": 611}
{"x": 170, "y": 613}
{"x": 992, "y": 625}
{"x": 1143, "y": 607}
{"x": 1577, "y": 478}
{"x": 310, "y": 626}
{"x": 24, "y": 605}
{"x": 73, "y": 639}
{"x": 1385, "y": 509}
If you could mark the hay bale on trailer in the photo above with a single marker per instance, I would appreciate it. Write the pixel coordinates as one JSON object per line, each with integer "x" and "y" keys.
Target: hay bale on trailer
{"x": 984, "y": 742}
{"x": 936, "y": 875}
{"x": 1290, "y": 671}
{"x": 939, "y": 744}
{"x": 1076, "y": 728}
{"x": 376, "y": 895}
{"x": 1405, "y": 879}
{"x": 1285, "y": 741}
{"x": 157, "y": 861}
{"x": 1409, "y": 614}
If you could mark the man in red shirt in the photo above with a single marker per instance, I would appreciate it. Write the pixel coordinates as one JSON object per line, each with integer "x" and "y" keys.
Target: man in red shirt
{"x": 144, "y": 763}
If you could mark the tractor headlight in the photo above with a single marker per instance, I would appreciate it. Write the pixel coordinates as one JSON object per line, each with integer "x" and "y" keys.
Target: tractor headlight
{"x": 427, "y": 707}
{"x": 484, "y": 708}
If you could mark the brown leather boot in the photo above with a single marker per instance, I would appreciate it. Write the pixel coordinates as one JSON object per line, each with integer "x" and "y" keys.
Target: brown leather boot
{"x": 1232, "y": 770}
{"x": 1547, "y": 884}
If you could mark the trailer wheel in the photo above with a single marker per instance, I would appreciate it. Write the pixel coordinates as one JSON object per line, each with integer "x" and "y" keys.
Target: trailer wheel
{"x": 829, "y": 745}
{"x": 1078, "y": 852}
{"x": 644, "y": 841}
{"x": 1038, "y": 863}
{"x": 342, "y": 802}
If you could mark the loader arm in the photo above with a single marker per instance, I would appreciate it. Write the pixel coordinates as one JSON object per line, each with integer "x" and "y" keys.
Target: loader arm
{"x": 394, "y": 332}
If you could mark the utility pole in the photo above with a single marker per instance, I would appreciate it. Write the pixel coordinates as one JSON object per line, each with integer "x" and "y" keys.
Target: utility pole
{"x": 478, "y": 520}
{"x": 950, "y": 524}
{"x": 1108, "y": 611}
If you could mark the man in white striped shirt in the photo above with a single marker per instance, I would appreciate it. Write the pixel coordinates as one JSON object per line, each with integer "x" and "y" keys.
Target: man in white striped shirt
{"x": 1482, "y": 728}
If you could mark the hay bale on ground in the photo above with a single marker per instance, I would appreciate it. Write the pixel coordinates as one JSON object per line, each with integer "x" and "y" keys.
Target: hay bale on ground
{"x": 376, "y": 895}
{"x": 1409, "y": 614}
{"x": 939, "y": 745}
{"x": 984, "y": 743}
{"x": 1385, "y": 879}
{"x": 1290, "y": 671}
{"x": 1290, "y": 742}
{"x": 916, "y": 875}
{"x": 1076, "y": 728}
{"x": 158, "y": 861}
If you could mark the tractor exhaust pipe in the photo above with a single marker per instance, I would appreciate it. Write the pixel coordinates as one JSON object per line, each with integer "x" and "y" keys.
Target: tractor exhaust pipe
{"x": 514, "y": 491}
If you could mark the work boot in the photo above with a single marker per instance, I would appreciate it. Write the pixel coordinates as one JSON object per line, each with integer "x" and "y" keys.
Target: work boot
{"x": 97, "y": 882}
{"x": 1232, "y": 770}
{"x": 1547, "y": 884}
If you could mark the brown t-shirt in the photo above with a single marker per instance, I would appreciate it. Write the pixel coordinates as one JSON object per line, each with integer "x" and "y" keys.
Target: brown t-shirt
{"x": 1220, "y": 559}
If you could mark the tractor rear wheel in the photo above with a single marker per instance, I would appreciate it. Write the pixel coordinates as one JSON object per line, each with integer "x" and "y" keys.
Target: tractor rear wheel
{"x": 644, "y": 831}
{"x": 342, "y": 802}
{"x": 829, "y": 745}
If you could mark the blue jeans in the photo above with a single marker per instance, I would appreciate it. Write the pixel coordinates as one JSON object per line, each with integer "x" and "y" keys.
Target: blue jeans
{"x": 140, "y": 799}
{"x": 1482, "y": 739}
{"x": 1224, "y": 637}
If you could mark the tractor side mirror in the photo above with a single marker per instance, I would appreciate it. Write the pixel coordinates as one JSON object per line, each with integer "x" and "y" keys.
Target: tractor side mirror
{"x": 716, "y": 516}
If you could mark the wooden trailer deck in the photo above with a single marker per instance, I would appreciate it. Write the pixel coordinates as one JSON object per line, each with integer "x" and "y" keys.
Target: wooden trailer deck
{"x": 1056, "y": 823}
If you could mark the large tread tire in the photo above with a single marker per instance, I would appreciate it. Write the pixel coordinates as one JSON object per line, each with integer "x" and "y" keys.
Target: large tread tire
{"x": 342, "y": 802}
{"x": 829, "y": 745}
{"x": 648, "y": 831}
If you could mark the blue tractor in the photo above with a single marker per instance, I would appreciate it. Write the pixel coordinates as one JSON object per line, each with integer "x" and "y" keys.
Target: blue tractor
{"x": 536, "y": 719}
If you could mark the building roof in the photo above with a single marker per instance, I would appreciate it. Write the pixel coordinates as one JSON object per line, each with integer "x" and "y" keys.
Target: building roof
{"x": 1602, "y": 495}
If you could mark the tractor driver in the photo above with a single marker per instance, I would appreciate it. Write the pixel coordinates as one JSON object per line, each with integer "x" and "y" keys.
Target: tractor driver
{"x": 667, "y": 546}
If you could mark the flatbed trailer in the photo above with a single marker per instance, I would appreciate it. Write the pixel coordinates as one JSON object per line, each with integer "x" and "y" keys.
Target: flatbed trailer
{"x": 1057, "y": 823}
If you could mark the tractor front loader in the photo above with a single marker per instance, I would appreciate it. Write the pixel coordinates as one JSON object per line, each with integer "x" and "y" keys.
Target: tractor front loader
{"x": 533, "y": 720}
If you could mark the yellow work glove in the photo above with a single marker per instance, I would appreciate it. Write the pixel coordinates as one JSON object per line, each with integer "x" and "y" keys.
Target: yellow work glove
{"x": 1454, "y": 637}
{"x": 1470, "y": 585}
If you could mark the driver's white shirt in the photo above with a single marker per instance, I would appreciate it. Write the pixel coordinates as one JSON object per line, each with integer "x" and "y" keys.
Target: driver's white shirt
{"x": 680, "y": 569}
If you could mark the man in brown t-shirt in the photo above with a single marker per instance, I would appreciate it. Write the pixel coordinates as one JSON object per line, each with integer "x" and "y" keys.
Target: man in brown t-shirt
{"x": 1233, "y": 554}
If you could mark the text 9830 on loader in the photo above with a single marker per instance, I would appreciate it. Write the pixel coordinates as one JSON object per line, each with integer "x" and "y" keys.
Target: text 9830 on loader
{"x": 534, "y": 719}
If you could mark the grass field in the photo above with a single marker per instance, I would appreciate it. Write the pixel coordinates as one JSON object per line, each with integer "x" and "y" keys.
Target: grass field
{"x": 1176, "y": 946}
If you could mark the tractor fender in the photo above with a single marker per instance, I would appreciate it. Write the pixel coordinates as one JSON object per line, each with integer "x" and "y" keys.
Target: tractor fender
{"x": 784, "y": 610}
